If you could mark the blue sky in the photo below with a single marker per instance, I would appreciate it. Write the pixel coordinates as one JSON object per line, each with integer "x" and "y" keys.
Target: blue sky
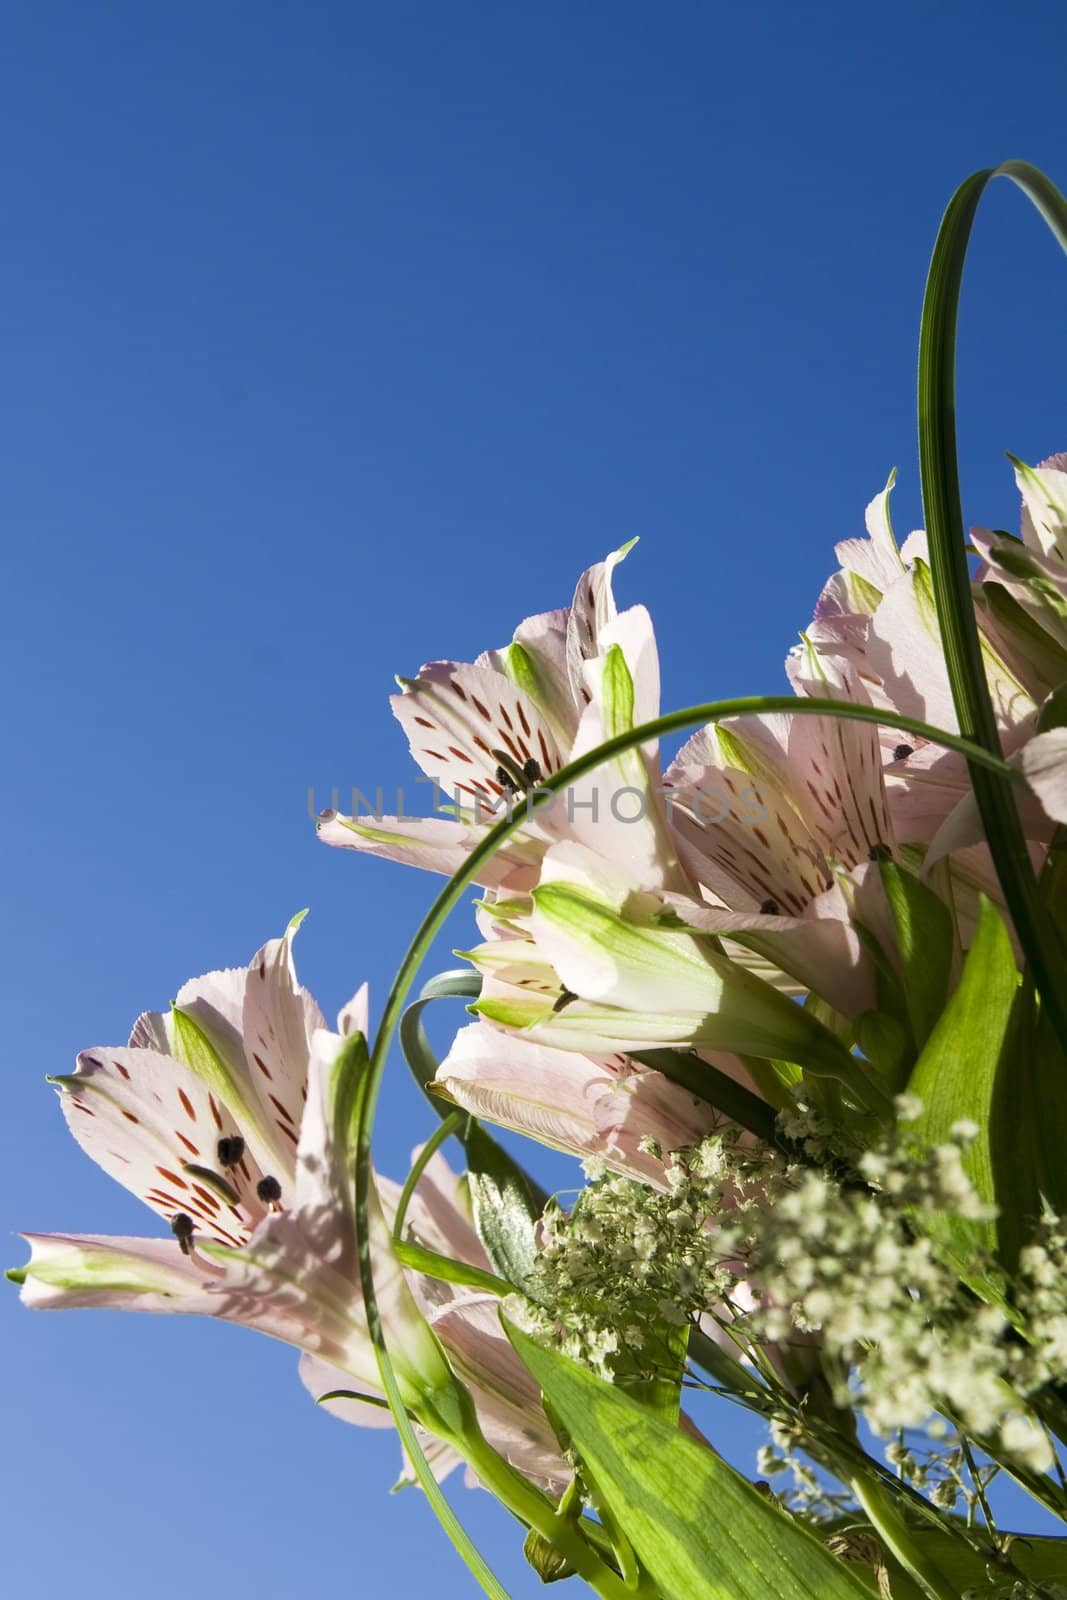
{"x": 339, "y": 337}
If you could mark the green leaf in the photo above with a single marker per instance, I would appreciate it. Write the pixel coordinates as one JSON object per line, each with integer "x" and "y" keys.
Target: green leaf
{"x": 956, "y": 1075}
{"x": 434, "y": 1265}
{"x": 461, "y": 984}
{"x": 716, "y": 1088}
{"x": 1029, "y": 1132}
{"x": 506, "y": 1206}
{"x": 1041, "y": 1559}
{"x": 699, "y": 1528}
{"x": 664, "y": 1349}
{"x": 887, "y": 1044}
{"x": 925, "y": 941}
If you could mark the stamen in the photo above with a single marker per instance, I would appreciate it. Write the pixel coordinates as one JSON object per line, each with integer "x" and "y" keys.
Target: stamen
{"x": 214, "y": 1182}
{"x": 531, "y": 771}
{"x": 769, "y": 908}
{"x": 230, "y": 1151}
{"x": 269, "y": 1190}
{"x": 564, "y": 999}
{"x": 509, "y": 774}
{"x": 880, "y": 852}
{"x": 903, "y": 751}
{"x": 181, "y": 1226}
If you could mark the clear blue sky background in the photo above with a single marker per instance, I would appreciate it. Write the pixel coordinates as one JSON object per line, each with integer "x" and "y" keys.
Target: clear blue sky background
{"x": 337, "y": 337}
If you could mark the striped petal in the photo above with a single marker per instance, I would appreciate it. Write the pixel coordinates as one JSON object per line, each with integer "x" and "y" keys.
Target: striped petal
{"x": 576, "y": 1103}
{"x": 465, "y": 722}
{"x": 155, "y": 1127}
{"x": 743, "y": 841}
{"x": 835, "y": 765}
{"x": 438, "y": 844}
{"x": 1044, "y": 512}
{"x": 592, "y": 609}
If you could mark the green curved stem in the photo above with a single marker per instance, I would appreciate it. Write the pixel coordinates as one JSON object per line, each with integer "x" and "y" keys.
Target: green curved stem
{"x": 943, "y": 514}
{"x": 713, "y": 711}
{"x": 452, "y": 1123}
{"x": 451, "y": 1524}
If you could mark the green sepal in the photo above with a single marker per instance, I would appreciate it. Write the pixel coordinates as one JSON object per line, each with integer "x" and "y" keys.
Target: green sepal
{"x": 549, "y": 1563}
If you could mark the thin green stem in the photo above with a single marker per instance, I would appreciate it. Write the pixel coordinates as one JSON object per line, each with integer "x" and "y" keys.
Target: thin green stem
{"x": 979, "y": 1487}
{"x": 939, "y": 468}
{"x": 452, "y": 1123}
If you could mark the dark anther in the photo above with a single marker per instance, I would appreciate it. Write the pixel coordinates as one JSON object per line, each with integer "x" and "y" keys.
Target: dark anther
{"x": 531, "y": 771}
{"x": 902, "y": 752}
{"x": 230, "y": 1151}
{"x": 327, "y": 815}
{"x": 769, "y": 908}
{"x": 880, "y": 852}
{"x": 269, "y": 1190}
{"x": 181, "y": 1226}
{"x": 505, "y": 780}
{"x": 564, "y": 999}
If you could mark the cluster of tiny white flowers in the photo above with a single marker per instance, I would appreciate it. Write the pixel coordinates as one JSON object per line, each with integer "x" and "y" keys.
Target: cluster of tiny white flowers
{"x": 834, "y": 1244}
{"x": 808, "y": 1492}
{"x": 1042, "y": 1297}
{"x": 628, "y": 1263}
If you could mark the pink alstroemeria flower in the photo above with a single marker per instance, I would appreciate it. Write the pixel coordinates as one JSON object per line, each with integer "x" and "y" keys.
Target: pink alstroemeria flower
{"x": 231, "y": 1118}
{"x": 878, "y": 613}
{"x": 486, "y": 733}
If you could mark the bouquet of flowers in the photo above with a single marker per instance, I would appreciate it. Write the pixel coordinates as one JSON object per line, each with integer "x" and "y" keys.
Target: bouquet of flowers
{"x": 798, "y": 1002}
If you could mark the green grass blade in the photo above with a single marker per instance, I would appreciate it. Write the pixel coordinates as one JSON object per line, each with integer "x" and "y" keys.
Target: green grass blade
{"x": 943, "y": 512}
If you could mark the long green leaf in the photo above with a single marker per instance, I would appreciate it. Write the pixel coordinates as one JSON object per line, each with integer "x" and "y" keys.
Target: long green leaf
{"x": 943, "y": 511}
{"x": 699, "y": 1528}
{"x": 925, "y": 938}
{"x": 461, "y": 984}
{"x": 434, "y": 1265}
{"x": 714, "y": 1087}
{"x": 956, "y": 1075}
{"x": 1039, "y": 1558}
